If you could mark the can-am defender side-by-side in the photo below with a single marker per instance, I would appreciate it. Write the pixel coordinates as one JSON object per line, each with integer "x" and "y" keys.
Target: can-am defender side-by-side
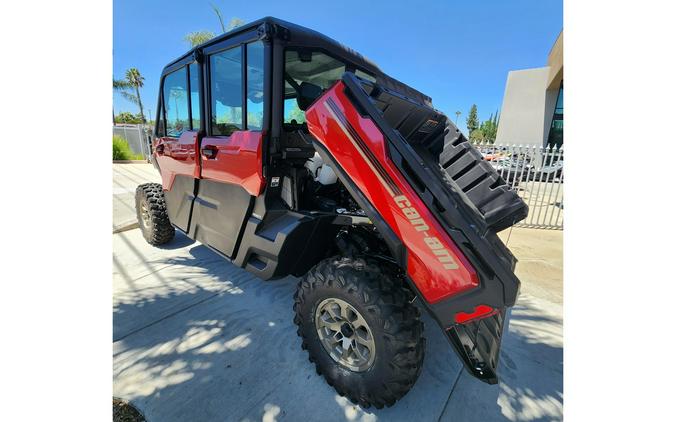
{"x": 290, "y": 154}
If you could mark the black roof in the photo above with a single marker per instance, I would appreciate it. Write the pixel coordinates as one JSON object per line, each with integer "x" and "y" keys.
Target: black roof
{"x": 314, "y": 38}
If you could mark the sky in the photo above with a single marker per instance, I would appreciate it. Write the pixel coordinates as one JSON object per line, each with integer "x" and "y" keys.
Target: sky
{"x": 457, "y": 52}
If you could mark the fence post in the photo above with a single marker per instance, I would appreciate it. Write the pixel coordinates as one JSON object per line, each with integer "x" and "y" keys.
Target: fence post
{"x": 124, "y": 130}
{"x": 140, "y": 140}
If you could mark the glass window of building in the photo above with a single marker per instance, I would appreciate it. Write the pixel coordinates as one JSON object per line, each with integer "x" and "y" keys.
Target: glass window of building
{"x": 555, "y": 135}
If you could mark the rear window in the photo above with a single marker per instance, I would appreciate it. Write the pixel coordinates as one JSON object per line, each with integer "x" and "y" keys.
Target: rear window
{"x": 307, "y": 66}
{"x": 175, "y": 95}
{"x": 313, "y": 67}
{"x": 226, "y": 91}
{"x": 194, "y": 96}
{"x": 255, "y": 69}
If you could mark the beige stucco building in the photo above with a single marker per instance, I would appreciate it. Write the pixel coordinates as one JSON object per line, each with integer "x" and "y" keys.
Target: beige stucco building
{"x": 532, "y": 109}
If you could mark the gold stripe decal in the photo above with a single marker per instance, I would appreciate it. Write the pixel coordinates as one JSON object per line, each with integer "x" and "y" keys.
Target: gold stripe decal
{"x": 435, "y": 245}
{"x": 360, "y": 151}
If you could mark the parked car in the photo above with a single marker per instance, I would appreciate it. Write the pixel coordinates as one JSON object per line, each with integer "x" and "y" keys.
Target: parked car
{"x": 514, "y": 169}
{"x": 550, "y": 172}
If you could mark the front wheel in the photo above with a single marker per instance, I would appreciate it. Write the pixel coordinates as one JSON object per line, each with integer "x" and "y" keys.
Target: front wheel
{"x": 363, "y": 334}
{"x": 152, "y": 215}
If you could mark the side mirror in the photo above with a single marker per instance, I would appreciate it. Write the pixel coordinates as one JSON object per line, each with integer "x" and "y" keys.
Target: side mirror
{"x": 308, "y": 93}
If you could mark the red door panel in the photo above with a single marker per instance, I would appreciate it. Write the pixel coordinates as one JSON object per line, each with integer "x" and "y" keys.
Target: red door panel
{"x": 178, "y": 161}
{"x": 236, "y": 159}
{"x": 177, "y": 156}
{"x": 231, "y": 175}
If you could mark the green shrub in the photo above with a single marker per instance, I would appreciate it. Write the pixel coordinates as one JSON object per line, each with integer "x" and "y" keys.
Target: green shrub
{"x": 122, "y": 151}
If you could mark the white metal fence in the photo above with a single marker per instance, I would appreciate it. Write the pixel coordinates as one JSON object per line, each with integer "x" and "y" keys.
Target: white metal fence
{"x": 536, "y": 173}
{"x": 137, "y": 136}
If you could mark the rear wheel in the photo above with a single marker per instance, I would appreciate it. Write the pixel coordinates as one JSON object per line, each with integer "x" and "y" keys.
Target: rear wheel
{"x": 153, "y": 219}
{"x": 360, "y": 329}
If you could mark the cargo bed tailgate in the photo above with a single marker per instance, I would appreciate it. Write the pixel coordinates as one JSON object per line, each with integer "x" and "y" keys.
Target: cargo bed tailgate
{"x": 387, "y": 150}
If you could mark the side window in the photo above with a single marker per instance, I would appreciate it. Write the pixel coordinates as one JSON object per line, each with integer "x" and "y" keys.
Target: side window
{"x": 194, "y": 95}
{"x": 226, "y": 91}
{"x": 176, "y": 103}
{"x": 255, "y": 105}
{"x": 160, "y": 123}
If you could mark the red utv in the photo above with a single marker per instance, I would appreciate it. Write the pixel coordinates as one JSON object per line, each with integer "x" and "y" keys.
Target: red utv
{"x": 286, "y": 152}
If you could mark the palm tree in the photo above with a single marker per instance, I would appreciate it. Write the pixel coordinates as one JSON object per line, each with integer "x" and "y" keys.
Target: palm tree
{"x": 177, "y": 95}
{"x": 234, "y": 23}
{"x": 198, "y": 37}
{"x": 220, "y": 17}
{"x": 132, "y": 80}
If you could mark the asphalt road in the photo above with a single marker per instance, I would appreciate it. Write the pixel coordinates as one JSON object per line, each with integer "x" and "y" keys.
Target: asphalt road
{"x": 196, "y": 338}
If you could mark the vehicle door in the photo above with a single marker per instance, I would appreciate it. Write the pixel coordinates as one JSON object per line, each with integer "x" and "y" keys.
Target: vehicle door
{"x": 231, "y": 152}
{"x": 177, "y": 142}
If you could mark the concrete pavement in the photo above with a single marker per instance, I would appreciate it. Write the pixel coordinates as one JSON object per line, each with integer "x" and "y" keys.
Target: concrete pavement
{"x": 198, "y": 339}
{"x": 125, "y": 179}
{"x": 540, "y": 261}
{"x": 195, "y": 338}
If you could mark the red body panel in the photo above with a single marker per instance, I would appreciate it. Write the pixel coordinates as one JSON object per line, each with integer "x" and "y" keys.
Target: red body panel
{"x": 435, "y": 264}
{"x": 177, "y": 156}
{"x": 238, "y": 160}
{"x": 480, "y": 311}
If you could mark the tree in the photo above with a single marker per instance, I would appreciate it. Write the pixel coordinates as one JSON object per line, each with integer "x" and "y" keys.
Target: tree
{"x": 234, "y": 23}
{"x": 489, "y": 128}
{"x": 198, "y": 37}
{"x": 220, "y": 17}
{"x": 477, "y": 136}
{"x": 128, "y": 117}
{"x": 133, "y": 80}
{"x": 177, "y": 95}
{"x": 472, "y": 119}
{"x": 457, "y": 113}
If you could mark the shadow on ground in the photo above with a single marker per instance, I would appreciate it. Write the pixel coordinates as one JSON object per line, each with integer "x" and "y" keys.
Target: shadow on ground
{"x": 198, "y": 339}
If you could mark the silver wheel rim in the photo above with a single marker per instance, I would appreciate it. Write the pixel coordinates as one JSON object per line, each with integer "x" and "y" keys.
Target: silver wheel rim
{"x": 145, "y": 214}
{"x": 345, "y": 334}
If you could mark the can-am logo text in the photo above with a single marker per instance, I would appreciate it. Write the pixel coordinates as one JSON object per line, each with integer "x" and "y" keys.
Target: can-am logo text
{"x": 436, "y": 246}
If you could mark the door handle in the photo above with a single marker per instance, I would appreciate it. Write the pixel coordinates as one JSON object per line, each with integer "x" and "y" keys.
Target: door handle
{"x": 231, "y": 149}
{"x": 209, "y": 151}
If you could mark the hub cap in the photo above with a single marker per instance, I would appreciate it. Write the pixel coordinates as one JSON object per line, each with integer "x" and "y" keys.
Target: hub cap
{"x": 145, "y": 214}
{"x": 345, "y": 334}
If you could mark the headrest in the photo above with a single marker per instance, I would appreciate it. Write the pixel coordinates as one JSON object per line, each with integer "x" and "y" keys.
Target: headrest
{"x": 308, "y": 93}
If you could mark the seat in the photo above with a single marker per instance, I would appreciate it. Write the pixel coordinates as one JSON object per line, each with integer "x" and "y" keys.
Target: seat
{"x": 294, "y": 146}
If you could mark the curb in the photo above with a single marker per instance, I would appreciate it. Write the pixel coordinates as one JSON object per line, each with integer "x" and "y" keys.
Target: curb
{"x": 125, "y": 227}
{"x": 131, "y": 162}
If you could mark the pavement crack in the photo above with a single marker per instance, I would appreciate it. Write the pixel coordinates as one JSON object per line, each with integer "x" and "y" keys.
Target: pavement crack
{"x": 452, "y": 390}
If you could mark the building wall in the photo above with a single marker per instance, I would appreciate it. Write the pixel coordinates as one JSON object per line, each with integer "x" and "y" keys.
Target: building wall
{"x": 526, "y": 107}
{"x": 555, "y": 77}
{"x": 555, "y": 62}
